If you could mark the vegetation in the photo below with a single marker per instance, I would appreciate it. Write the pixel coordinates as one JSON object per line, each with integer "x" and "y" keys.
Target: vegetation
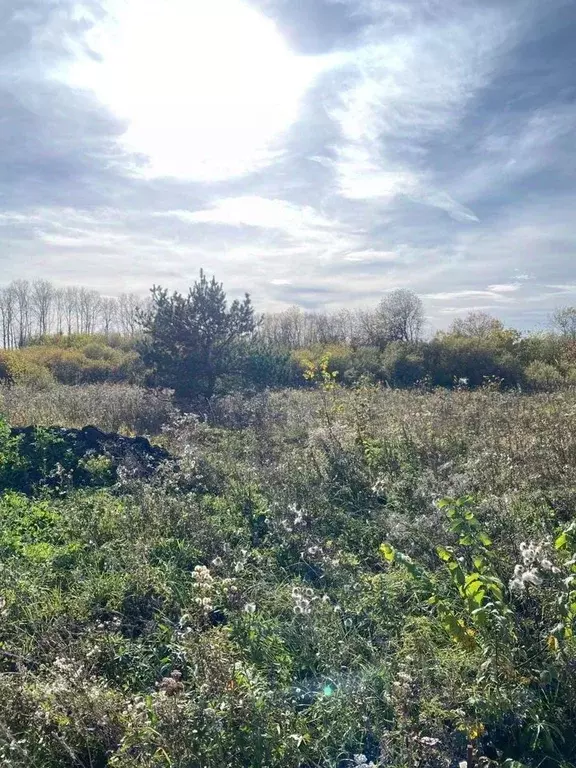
{"x": 76, "y": 359}
{"x": 324, "y": 577}
{"x": 200, "y": 346}
{"x": 351, "y": 547}
{"x": 190, "y": 341}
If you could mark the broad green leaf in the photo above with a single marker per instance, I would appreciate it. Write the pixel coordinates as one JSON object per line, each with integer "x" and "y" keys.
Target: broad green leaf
{"x": 561, "y": 541}
{"x": 388, "y": 552}
{"x": 444, "y": 554}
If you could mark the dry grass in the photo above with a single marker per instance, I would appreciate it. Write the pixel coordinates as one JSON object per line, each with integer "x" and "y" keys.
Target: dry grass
{"x": 111, "y": 407}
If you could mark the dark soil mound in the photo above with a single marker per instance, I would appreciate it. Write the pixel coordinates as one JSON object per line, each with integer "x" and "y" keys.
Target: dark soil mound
{"x": 55, "y": 456}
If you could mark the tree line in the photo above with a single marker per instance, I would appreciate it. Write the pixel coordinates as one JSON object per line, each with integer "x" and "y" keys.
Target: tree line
{"x": 199, "y": 344}
{"x": 31, "y": 310}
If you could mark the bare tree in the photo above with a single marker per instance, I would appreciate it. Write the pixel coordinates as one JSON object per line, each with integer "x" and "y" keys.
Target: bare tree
{"x": 70, "y": 309}
{"x": 321, "y": 328}
{"x": 42, "y": 301}
{"x": 23, "y": 310}
{"x": 563, "y": 320}
{"x": 108, "y": 314}
{"x": 59, "y": 310}
{"x": 399, "y": 317}
{"x": 129, "y": 306}
{"x": 89, "y": 303}
{"x": 477, "y": 325}
{"x": 7, "y": 315}
{"x": 283, "y": 329}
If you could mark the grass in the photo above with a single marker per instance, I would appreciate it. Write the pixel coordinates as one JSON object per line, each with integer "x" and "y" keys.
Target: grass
{"x": 110, "y": 407}
{"x": 294, "y": 592}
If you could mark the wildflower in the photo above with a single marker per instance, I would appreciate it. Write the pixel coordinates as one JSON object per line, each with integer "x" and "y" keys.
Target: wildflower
{"x": 532, "y": 577}
{"x": 517, "y": 585}
{"x": 302, "y": 604}
{"x": 217, "y": 562}
{"x": 250, "y": 608}
{"x": 171, "y": 686}
{"x": 429, "y": 741}
{"x": 202, "y": 575}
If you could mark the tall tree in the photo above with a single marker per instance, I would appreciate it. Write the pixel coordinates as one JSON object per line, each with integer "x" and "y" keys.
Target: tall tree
{"x": 189, "y": 340}
{"x": 108, "y": 314}
{"x": 7, "y": 315}
{"x": 399, "y": 317}
{"x": 71, "y": 309}
{"x": 129, "y": 314}
{"x": 88, "y": 310}
{"x": 564, "y": 321}
{"x": 476, "y": 325}
{"x": 42, "y": 301}
{"x": 21, "y": 290}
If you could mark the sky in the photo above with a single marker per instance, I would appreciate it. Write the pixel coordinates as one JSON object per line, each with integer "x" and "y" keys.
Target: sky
{"x": 316, "y": 153}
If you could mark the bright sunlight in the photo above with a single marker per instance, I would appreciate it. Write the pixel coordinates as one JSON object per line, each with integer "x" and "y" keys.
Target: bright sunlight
{"x": 206, "y": 86}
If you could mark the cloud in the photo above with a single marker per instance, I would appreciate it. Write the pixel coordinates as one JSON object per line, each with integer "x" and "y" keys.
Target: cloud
{"x": 253, "y": 211}
{"x": 451, "y": 295}
{"x": 404, "y": 93}
{"x": 431, "y": 149}
{"x": 504, "y": 287}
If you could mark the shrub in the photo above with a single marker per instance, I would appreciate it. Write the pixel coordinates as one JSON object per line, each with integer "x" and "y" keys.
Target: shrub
{"x": 403, "y": 364}
{"x": 543, "y": 377}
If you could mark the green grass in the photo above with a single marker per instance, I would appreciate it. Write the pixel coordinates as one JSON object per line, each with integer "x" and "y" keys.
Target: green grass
{"x": 258, "y": 620}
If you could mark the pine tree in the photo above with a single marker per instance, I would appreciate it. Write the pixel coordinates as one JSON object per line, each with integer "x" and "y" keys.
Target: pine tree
{"x": 189, "y": 341}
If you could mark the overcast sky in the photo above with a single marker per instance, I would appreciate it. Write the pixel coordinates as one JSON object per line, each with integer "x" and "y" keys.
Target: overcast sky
{"x": 312, "y": 152}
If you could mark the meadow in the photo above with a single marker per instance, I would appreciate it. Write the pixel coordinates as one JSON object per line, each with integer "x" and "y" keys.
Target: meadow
{"x": 320, "y": 577}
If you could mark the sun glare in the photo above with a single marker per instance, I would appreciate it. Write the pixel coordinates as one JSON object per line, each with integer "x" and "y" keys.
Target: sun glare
{"x": 205, "y": 86}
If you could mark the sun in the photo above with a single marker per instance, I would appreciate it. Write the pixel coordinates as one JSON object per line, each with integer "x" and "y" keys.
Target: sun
{"x": 206, "y": 86}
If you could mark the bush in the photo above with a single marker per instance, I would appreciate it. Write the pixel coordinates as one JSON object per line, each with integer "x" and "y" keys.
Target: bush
{"x": 451, "y": 358}
{"x": 543, "y": 377}
{"x": 73, "y": 364}
{"x": 403, "y": 364}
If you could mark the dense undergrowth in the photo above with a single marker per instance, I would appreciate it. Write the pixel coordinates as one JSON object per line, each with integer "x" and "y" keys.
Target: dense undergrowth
{"x": 535, "y": 362}
{"x": 327, "y": 578}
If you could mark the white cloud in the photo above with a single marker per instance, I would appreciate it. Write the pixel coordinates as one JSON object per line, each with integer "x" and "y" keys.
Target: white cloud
{"x": 504, "y": 287}
{"x": 465, "y": 310}
{"x": 371, "y": 256}
{"x": 409, "y": 89}
{"x": 451, "y": 295}
{"x": 254, "y": 211}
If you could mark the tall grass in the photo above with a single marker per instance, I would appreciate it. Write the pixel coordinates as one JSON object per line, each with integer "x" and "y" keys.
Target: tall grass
{"x": 324, "y": 579}
{"x": 111, "y": 407}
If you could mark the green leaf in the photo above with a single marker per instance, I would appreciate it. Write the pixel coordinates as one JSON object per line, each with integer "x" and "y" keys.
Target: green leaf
{"x": 561, "y": 541}
{"x": 484, "y": 539}
{"x": 444, "y": 554}
{"x": 388, "y": 552}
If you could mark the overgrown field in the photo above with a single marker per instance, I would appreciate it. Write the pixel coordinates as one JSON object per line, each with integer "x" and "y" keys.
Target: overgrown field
{"x": 319, "y": 578}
